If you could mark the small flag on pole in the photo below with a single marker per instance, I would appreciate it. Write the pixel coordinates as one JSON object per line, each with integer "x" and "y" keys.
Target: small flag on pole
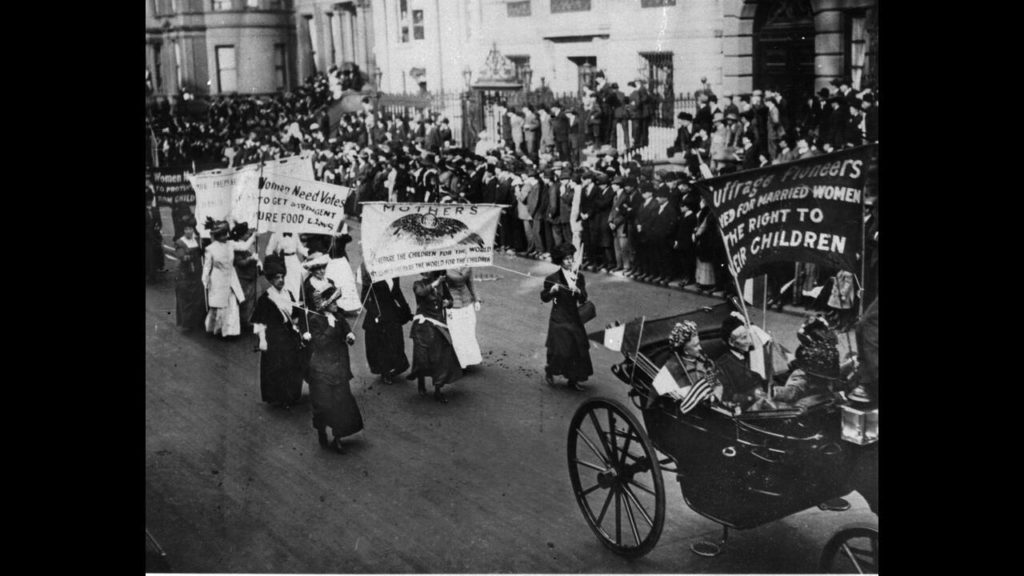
{"x": 613, "y": 337}
{"x": 668, "y": 379}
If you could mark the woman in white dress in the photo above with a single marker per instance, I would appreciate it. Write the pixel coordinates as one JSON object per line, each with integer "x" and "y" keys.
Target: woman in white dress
{"x": 339, "y": 271}
{"x": 287, "y": 246}
{"x": 461, "y": 317}
{"x": 223, "y": 290}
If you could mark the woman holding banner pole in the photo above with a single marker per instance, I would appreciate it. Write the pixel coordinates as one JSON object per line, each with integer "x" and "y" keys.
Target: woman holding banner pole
{"x": 386, "y": 313}
{"x": 461, "y": 317}
{"x": 223, "y": 290}
{"x": 433, "y": 353}
{"x": 339, "y": 270}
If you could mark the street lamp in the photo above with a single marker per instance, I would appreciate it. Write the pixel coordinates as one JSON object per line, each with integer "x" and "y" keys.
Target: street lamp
{"x": 467, "y": 75}
{"x": 527, "y": 75}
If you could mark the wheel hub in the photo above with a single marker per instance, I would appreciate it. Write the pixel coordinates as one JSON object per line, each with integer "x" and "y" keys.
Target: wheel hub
{"x": 608, "y": 478}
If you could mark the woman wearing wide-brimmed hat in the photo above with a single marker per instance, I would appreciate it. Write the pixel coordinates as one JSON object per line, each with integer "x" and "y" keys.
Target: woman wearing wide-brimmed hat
{"x": 567, "y": 344}
{"x": 190, "y": 303}
{"x": 433, "y": 354}
{"x": 386, "y": 312}
{"x": 223, "y": 290}
{"x": 274, "y": 326}
{"x": 328, "y": 337}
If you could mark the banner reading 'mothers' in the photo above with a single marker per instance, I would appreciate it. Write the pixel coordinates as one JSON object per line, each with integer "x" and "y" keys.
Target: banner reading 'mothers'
{"x": 804, "y": 211}
{"x": 288, "y": 204}
{"x": 403, "y": 239}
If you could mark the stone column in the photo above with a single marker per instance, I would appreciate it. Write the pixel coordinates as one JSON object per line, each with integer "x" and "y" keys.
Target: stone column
{"x": 829, "y": 49}
{"x": 737, "y": 46}
{"x": 365, "y": 16}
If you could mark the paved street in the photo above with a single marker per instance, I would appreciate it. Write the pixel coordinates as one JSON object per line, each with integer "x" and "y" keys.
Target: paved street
{"x": 478, "y": 485}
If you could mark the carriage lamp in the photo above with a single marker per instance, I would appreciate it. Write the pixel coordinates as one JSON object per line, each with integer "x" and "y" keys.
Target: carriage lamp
{"x": 860, "y": 426}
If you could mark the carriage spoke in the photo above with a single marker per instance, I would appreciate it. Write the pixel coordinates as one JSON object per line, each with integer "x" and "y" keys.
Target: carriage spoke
{"x": 618, "y": 518}
{"x": 632, "y": 521}
{"x": 590, "y": 445}
{"x": 589, "y": 465}
{"x": 642, "y": 487}
{"x": 589, "y": 490}
{"x": 613, "y": 444}
{"x": 604, "y": 508}
{"x": 853, "y": 558}
{"x": 636, "y": 502}
{"x": 625, "y": 450}
{"x": 600, "y": 435}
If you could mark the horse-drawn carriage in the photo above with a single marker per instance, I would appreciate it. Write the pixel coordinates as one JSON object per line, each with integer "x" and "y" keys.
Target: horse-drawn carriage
{"x": 739, "y": 470}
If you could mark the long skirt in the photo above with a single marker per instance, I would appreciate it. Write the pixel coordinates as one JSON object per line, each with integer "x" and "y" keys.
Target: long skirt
{"x": 281, "y": 367}
{"x": 225, "y": 321}
{"x": 333, "y": 403}
{"x": 190, "y": 304}
{"x": 705, "y": 275}
{"x": 249, "y": 291}
{"x": 433, "y": 354}
{"x": 385, "y": 349}
{"x": 339, "y": 270}
{"x": 462, "y": 324}
{"x": 568, "y": 351}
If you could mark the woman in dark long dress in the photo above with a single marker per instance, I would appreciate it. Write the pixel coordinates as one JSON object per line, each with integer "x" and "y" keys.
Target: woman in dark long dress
{"x": 328, "y": 337}
{"x": 272, "y": 318}
{"x": 432, "y": 352}
{"x": 567, "y": 344}
{"x": 188, "y": 287}
{"x": 386, "y": 312}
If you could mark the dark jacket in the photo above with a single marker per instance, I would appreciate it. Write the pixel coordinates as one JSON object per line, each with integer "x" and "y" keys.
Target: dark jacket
{"x": 567, "y": 344}
{"x": 560, "y": 127}
{"x": 738, "y": 381}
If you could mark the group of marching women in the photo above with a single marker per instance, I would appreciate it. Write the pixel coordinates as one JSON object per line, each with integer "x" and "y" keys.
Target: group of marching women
{"x": 300, "y": 320}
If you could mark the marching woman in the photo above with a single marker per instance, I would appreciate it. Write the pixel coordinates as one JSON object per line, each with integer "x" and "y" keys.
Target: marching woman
{"x": 339, "y": 270}
{"x": 386, "y": 312}
{"x": 246, "y": 267}
{"x": 328, "y": 336}
{"x": 223, "y": 291}
{"x": 567, "y": 344}
{"x": 188, "y": 288}
{"x": 287, "y": 245}
{"x": 461, "y": 317}
{"x": 432, "y": 352}
{"x": 272, "y": 319}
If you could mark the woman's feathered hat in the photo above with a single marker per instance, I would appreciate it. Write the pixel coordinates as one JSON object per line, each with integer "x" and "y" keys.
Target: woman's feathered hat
{"x": 681, "y": 333}
{"x": 325, "y": 297}
{"x": 216, "y": 227}
{"x": 560, "y": 253}
{"x": 316, "y": 261}
{"x": 239, "y": 231}
{"x": 818, "y": 353}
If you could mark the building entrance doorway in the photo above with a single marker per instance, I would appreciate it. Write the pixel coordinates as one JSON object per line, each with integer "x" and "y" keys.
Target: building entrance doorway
{"x": 784, "y": 51}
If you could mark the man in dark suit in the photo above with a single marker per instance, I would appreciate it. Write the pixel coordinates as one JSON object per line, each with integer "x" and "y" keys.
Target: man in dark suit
{"x": 642, "y": 205}
{"x": 588, "y": 193}
{"x": 601, "y": 234}
{"x": 560, "y": 131}
{"x": 854, "y": 133}
{"x": 683, "y": 245}
{"x": 618, "y": 223}
{"x": 431, "y": 136}
{"x": 870, "y": 117}
{"x": 639, "y": 101}
{"x": 576, "y": 128}
{"x": 660, "y": 235}
{"x": 704, "y": 115}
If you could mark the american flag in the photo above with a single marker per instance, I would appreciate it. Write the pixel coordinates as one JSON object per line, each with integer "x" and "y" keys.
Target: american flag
{"x": 698, "y": 392}
{"x": 667, "y": 379}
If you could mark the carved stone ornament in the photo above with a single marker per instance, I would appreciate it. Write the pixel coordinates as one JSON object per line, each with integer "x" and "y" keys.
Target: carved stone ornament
{"x": 497, "y": 68}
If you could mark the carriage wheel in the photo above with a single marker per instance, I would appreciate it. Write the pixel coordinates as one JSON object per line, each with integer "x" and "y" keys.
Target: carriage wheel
{"x": 616, "y": 477}
{"x": 853, "y": 550}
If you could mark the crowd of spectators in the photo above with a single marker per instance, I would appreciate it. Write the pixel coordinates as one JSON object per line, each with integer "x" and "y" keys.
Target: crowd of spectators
{"x": 638, "y": 220}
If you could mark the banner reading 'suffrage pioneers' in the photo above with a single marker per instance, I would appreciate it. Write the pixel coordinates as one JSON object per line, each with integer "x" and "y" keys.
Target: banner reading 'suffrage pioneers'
{"x": 407, "y": 238}
{"x": 809, "y": 210}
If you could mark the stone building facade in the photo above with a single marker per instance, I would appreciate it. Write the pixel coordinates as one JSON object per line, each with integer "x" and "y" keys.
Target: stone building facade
{"x": 333, "y": 33}
{"x": 220, "y": 46}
